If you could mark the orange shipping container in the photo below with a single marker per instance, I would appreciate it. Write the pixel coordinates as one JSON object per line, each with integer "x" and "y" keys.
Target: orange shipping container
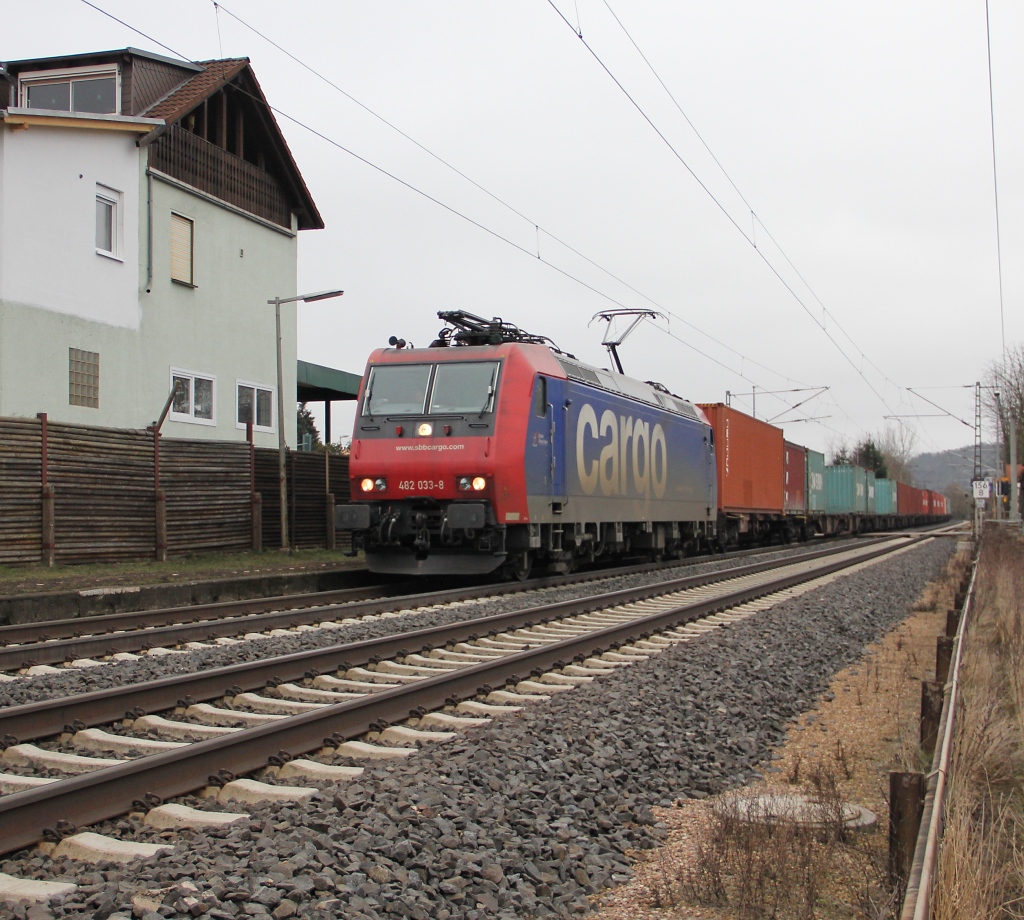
{"x": 749, "y": 454}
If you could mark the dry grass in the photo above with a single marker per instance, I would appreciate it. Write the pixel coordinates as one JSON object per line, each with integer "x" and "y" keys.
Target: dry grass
{"x": 841, "y": 751}
{"x": 981, "y": 864}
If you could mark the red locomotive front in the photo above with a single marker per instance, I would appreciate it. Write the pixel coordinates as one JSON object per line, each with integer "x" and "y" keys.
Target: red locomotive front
{"x": 436, "y": 464}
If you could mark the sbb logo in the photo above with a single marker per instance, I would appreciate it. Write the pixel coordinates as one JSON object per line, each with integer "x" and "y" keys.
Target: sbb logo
{"x": 633, "y": 458}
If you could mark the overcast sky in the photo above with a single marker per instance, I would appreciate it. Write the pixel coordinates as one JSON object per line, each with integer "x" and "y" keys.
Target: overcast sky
{"x": 857, "y": 133}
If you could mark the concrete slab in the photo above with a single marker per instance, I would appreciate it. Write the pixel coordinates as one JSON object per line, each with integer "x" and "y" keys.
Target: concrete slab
{"x": 94, "y": 848}
{"x": 208, "y": 714}
{"x": 181, "y": 731}
{"x": 507, "y": 696}
{"x": 568, "y": 680}
{"x": 28, "y": 755}
{"x": 274, "y": 705}
{"x": 433, "y": 663}
{"x": 575, "y": 670}
{"x": 11, "y": 782}
{"x": 326, "y": 682}
{"x": 485, "y": 651}
{"x": 314, "y": 695}
{"x": 86, "y": 663}
{"x": 771, "y": 808}
{"x": 173, "y": 816}
{"x": 252, "y": 792}
{"x": 360, "y": 750}
{"x": 125, "y": 656}
{"x": 312, "y": 770}
{"x": 13, "y": 890}
{"x": 393, "y": 667}
{"x": 475, "y": 707}
{"x": 161, "y": 652}
{"x": 533, "y": 686}
{"x": 41, "y": 670}
{"x": 446, "y": 720}
{"x": 379, "y": 677}
{"x": 95, "y": 739}
{"x": 402, "y": 734}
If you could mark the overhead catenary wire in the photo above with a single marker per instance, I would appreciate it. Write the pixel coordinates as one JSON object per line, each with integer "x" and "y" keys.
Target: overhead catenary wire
{"x": 995, "y": 178}
{"x": 538, "y": 229}
{"x": 456, "y": 212}
{"x": 820, "y": 323}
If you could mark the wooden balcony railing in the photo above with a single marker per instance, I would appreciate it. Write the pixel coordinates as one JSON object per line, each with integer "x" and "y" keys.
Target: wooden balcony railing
{"x": 205, "y": 166}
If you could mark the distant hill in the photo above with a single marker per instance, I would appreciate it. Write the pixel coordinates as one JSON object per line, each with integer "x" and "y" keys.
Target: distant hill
{"x": 950, "y": 467}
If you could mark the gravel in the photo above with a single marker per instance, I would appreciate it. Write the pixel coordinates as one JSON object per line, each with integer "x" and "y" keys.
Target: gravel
{"x": 531, "y": 815}
{"x": 117, "y": 674}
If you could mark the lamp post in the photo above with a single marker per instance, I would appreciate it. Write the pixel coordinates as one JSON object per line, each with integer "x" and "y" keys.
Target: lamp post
{"x": 281, "y": 444}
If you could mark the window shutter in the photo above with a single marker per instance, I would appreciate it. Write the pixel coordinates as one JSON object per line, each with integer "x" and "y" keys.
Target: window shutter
{"x": 181, "y": 249}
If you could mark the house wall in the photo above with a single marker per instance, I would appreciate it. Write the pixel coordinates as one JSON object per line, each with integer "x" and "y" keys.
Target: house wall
{"x": 224, "y": 325}
{"x": 57, "y": 293}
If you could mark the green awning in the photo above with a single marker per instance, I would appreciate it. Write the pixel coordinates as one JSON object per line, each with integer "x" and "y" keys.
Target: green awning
{"x": 316, "y": 383}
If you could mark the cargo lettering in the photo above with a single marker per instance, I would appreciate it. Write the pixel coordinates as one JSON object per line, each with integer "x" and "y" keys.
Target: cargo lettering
{"x": 633, "y": 458}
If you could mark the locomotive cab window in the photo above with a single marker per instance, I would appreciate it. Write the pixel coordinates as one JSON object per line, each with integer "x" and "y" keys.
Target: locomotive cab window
{"x": 468, "y": 387}
{"x": 540, "y": 397}
{"x": 397, "y": 389}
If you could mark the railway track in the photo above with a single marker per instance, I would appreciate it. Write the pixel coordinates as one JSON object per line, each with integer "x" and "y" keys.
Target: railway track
{"x": 304, "y": 711}
{"x": 85, "y": 642}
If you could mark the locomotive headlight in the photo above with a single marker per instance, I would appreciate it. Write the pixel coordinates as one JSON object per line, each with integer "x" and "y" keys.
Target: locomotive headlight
{"x": 373, "y": 485}
{"x": 425, "y": 430}
{"x": 479, "y": 483}
{"x": 471, "y": 483}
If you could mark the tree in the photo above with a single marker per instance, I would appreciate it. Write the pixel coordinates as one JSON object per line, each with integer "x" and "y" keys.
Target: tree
{"x": 1006, "y": 377}
{"x": 305, "y": 425}
{"x": 896, "y": 443}
{"x": 867, "y": 455}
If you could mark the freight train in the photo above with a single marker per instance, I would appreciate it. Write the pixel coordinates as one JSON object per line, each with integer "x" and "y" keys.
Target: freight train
{"x": 492, "y": 449}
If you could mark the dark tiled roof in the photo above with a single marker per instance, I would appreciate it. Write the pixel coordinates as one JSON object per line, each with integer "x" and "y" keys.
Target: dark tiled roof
{"x": 186, "y": 97}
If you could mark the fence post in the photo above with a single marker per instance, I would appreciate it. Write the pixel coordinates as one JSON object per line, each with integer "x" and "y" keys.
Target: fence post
{"x": 48, "y": 535}
{"x": 159, "y": 503}
{"x": 931, "y": 712}
{"x": 943, "y": 656}
{"x": 256, "y": 506}
{"x": 952, "y": 621}
{"x": 906, "y": 806}
{"x": 331, "y": 542}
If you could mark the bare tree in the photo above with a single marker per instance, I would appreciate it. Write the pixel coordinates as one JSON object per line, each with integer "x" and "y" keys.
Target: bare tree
{"x": 1006, "y": 377}
{"x": 896, "y": 444}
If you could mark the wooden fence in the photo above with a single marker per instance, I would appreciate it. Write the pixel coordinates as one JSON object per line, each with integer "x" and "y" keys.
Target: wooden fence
{"x": 78, "y": 493}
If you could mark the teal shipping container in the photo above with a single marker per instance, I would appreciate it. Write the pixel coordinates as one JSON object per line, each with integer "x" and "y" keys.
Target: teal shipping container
{"x": 885, "y": 496}
{"x": 815, "y": 481}
{"x": 845, "y": 490}
{"x": 869, "y": 489}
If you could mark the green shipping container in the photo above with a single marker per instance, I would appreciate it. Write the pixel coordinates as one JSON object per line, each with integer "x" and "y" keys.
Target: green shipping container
{"x": 869, "y": 489}
{"x": 885, "y": 496}
{"x": 815, "y": 481}
{"x": 845, "y": 490}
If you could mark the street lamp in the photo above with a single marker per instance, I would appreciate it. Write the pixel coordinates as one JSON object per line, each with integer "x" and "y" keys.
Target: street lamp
{"x": 281, "y": 475}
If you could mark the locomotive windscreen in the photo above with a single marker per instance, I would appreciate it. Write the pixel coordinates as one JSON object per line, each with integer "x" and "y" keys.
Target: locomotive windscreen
{"x": 397, "y": 389}
{"x": 463, "y": 387}
{"x": 455, "y": 387}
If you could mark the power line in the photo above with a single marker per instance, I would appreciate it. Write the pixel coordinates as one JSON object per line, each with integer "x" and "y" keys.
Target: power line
{"x": 995, "y": 181}
{"x": 537, "y": 227}
{"x": 730, "y": 218}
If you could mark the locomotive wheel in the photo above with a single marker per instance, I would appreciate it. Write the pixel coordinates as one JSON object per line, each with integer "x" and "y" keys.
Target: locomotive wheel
{"x": 518, "y": 566}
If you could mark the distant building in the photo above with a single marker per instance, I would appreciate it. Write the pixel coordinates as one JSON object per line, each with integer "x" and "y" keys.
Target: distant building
{"x": 149, "y": 208}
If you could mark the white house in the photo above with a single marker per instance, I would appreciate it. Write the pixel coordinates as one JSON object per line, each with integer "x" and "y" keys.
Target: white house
{"x": 149, "y": 208}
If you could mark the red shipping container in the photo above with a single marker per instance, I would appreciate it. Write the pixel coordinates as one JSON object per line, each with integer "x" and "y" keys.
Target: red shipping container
{"x": 908, "y": 500}
{"x": 750, "y": 462}
{"x": 794, "y": 487}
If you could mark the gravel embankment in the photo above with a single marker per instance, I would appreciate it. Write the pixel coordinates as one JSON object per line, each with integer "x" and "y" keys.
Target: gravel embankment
{"x": 530, "y": 815}
{"x": 116, "y": 674}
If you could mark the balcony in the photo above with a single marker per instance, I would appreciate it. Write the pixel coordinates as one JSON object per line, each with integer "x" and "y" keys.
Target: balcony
{"x": 190, "y": 159}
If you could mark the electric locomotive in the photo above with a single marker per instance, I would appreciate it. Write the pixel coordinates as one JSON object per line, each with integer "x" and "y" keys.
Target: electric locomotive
{"x": 494, "y": 449}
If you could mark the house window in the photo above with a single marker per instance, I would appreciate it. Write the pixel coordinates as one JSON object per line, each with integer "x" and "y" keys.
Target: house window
{"x": 90, "y": 90}
{"x": 256, "y": 405}
{"x": 83, "y": 378}
{"x": 182, "y": 249}
{"x": 194, "y": 397}
{"x": 108, "y": 222}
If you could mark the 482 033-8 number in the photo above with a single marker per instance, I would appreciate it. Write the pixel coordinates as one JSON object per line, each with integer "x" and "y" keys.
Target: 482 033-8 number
{"x": 410, "y": 484}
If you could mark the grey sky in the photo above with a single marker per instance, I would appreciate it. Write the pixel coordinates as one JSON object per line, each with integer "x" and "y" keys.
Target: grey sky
{"x": 858, "y": 133}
